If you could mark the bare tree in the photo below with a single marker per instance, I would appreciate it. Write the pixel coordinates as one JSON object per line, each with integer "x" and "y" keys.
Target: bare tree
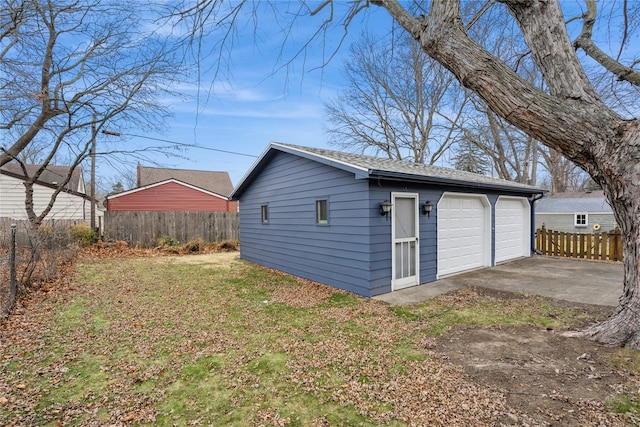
{"x": 68, "y": 68}
{"x": 509, "y": 150}
{"x": 563, "y": 174}
{"x": 70, "y": 65}
{"x": 568, "y": 115}
{"x": 399, "y": 102}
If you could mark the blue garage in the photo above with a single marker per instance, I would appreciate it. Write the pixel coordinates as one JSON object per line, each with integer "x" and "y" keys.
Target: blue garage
{"x": 370, "y": 225}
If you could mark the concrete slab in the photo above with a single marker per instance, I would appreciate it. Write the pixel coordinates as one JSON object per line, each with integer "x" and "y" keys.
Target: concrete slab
{"x": 581, "y": 281}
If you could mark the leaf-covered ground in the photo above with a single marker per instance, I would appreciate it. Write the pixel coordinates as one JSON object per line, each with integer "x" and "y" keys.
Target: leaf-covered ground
{"x": 129, "y": 340}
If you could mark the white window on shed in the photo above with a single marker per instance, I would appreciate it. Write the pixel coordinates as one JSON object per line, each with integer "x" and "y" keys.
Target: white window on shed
{"x": 581, "y": 220}
{"x": 264, "y": 211}
{"x": 322, "y": 212}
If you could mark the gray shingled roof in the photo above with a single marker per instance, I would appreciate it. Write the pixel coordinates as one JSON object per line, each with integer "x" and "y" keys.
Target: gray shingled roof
{"x": 374, "y": 167}
{"x": 376, "y": 164}
{"x": 574, "y": 203}
{"x": 52, "y": 175}
{"x": 216, "y": 182}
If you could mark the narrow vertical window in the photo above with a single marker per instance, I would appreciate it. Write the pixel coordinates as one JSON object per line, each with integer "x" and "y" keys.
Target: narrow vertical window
{"x": 322, "y": 216}
{"x": 264, "y": 209}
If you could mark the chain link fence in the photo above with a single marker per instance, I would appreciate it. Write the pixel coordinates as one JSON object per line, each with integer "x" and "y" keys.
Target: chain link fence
{"x": 31, "y": 258}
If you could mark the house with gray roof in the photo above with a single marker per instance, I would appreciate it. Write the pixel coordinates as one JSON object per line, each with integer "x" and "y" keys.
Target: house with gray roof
{"x": 576, "y": 212}
{"x": 72, "y": 203}
{"x": 176, "y": 190}
{"x": 373, "y": 226}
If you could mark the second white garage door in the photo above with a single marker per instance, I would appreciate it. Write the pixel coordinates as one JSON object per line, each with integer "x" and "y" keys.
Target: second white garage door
{"x": 464, "y": 233}
{"x": 513, "y": 230}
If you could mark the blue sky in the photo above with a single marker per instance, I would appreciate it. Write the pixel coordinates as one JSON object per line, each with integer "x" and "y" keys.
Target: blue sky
{"x": 251, "y": 102}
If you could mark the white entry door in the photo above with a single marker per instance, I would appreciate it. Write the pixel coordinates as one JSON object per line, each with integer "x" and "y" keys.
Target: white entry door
{"x": 405, "y": 252}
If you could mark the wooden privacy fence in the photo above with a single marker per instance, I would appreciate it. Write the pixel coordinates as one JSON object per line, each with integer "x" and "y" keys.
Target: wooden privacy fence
{"x": 598, "y": 246}
{"x": 144, "y": 228}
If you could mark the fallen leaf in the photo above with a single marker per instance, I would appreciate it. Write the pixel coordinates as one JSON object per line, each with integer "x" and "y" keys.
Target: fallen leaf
{"x": 129, "y": 418}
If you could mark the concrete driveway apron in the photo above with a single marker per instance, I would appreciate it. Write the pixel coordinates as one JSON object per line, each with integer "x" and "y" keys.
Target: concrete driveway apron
{"x": 581, "y": 281}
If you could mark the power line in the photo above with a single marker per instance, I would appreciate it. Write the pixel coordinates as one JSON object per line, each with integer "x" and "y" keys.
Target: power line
{"x": 182, "y": 144}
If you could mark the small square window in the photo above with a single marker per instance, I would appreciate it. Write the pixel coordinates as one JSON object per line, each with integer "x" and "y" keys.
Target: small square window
{"x": 322, "y": 214}
{"x": 264, "y": 209}
{"x": 581, "y": 220}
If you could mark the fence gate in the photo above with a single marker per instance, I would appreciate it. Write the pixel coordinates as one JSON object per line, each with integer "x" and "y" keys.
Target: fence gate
{"x": 605, "y": 246}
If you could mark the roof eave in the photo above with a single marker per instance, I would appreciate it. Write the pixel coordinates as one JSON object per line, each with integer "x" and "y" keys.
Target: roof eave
{"x": 397, "y": 176}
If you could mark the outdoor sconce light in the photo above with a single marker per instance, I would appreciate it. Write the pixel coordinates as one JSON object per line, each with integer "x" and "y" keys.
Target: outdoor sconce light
{"x": 385, "y": 208}
{"x": 426, "y": 208}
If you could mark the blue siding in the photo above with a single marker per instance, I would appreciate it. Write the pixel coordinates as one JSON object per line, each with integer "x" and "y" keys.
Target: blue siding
{"x": 337, "y": 254}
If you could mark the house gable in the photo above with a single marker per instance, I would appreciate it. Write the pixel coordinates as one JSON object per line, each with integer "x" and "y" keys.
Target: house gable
{"x": 170, "y": 195}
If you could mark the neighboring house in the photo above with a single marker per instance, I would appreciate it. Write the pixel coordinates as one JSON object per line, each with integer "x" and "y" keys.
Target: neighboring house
{"x": 176, "y": 190}
{"x": 71, "y": 204}
{"x": 578, "y": 212}
{"x": 317, "y": 214}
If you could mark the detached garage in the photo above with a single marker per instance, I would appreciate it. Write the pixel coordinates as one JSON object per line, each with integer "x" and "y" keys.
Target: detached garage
{"x": 373, "y": 226}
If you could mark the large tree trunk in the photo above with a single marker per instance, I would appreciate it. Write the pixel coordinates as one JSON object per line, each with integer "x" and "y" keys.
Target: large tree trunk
{"x": 570, "y": 118}
{"x": 619, "y": 175}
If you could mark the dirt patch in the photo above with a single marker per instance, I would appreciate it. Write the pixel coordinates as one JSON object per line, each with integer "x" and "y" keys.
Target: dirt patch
{"x": 215, "y": 260}
{"x": 554, "y": 379}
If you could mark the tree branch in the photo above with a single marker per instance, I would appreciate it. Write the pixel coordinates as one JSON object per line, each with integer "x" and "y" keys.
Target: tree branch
{"x": 568, "y": 117}
{"x": 584, "y": 42}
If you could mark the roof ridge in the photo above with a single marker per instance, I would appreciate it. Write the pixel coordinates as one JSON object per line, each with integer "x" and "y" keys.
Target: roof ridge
{"x": 181, "y": 169}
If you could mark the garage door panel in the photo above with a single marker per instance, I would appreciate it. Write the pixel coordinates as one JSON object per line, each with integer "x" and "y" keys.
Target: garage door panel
{"x": 512, "y": 228}
{"x": 462, "y": 233}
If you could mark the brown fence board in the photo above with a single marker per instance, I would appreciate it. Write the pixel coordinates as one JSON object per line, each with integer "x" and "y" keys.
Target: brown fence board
{"x": 144, "y": 228}
{"x": 598, "y": 246}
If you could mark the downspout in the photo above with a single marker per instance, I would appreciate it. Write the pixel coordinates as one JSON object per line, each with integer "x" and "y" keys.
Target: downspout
{"x": 532, "y": 221}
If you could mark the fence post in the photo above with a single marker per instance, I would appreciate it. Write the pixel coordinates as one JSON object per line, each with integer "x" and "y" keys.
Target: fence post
{"x": 13, "y": 288}
{"x": 617, "y": 244}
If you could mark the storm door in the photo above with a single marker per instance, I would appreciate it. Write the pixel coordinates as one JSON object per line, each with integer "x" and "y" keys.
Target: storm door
{"x": 406, "y": 250}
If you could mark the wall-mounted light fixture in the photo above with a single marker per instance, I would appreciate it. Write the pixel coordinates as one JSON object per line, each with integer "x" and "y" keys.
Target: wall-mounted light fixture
{"x": 427, "y": 207}
{"x": 385, "y": 208}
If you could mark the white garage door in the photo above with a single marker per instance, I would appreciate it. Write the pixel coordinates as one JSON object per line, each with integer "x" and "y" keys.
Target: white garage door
{"x": 464, "y": 238}
{"x": 513, "y": 232}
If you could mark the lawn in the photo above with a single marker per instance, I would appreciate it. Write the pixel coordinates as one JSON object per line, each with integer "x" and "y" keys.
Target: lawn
{"x": 218, "y": 341}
